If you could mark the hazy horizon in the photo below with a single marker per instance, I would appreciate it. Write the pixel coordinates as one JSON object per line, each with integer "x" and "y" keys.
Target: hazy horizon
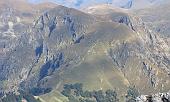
{"x": 82, "y": 3}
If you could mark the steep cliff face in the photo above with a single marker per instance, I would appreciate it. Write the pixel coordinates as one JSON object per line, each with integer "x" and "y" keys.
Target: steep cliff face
{"x": 16, "y": 17}
{"x": 40, "y": 46}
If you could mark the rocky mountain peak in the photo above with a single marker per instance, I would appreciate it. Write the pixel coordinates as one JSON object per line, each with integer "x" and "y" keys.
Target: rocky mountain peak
{"x": 102, "y": 48}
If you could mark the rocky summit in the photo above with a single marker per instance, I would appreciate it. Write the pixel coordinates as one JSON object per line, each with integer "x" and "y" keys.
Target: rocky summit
{"x": 100, "y": 53}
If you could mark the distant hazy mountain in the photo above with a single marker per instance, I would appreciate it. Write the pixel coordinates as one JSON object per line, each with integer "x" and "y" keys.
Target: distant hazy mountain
{"x": 127, "y": 4}
{"x": 136, "y": 4}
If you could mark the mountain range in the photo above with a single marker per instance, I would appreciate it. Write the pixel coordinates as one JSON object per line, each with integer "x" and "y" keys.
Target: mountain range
{"x": 127, "y": 4}
{"x": 46, "y": 47}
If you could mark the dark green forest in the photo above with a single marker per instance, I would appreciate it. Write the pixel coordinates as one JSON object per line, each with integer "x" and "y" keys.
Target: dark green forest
{"x": 11, "y": 97}
{"x": 75, "y": 93}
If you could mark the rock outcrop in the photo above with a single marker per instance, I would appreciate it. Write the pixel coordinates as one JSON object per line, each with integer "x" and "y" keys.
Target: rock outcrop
{"x": 160, "y": 97}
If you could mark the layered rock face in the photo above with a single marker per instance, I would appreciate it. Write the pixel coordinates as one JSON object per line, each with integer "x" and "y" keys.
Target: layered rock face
{"x": 15, "y": 22}
{"x": 103, "y": 50}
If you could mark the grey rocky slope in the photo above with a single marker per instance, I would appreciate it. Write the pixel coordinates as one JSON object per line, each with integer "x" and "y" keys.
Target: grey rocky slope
{"x": 157, "y": 18}
{"x": 110, "y": 50}
{"x": 150, "y": 38}
{"x": 159, "y": 97}
{"x": 16, "y": 17}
